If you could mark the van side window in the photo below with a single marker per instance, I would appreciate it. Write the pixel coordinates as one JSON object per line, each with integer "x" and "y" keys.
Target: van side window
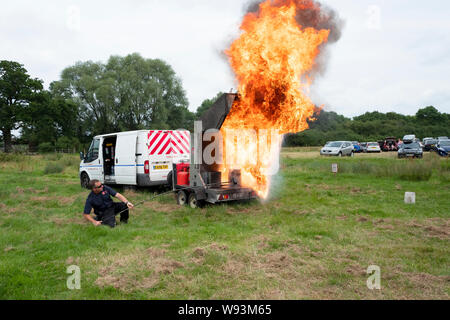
{"x": 93, "y": 151}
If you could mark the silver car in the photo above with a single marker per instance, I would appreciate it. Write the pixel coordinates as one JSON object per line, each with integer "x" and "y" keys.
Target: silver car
{"x": 337, "y": 148}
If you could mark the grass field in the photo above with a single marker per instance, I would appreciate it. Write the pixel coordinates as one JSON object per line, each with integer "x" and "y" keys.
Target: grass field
{"x": 313, "y": 239}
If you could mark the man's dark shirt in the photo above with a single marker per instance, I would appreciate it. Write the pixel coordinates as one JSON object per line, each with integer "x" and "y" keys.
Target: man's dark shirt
{"x": 100, "y": 202}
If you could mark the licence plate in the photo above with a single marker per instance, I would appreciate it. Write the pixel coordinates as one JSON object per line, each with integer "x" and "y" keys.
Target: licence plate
{"x": 161, "y": 167}
{"x": 409, "y": 155}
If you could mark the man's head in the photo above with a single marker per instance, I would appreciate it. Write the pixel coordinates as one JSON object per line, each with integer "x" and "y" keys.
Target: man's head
{"x": 96, "y": 186}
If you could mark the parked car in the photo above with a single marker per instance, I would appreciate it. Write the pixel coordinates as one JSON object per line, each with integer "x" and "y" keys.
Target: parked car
{"x": 412, "y": 149}
{"x": 373, "y": 147}
{"x": 420, "y": 143}
{"x": 409, "y": 138}
{"x": 390, "y": 144}
{"x": 429, "y": 144}
{"x": 363, "y": 146}
{"x": 443, "y": 148}
{"x": 356, "y": 147}
{"x": 337, "y": 148}
{"x": 442, "y": 138}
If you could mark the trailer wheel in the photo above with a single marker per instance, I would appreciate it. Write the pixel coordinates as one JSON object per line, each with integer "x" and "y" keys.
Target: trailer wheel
{"x": 182, "y": 198}
{"x": 193, "y": 202}
{"x": 84, "y": 180}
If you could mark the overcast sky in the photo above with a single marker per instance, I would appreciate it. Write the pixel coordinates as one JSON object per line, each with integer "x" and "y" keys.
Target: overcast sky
{"x": 394, "y": 55}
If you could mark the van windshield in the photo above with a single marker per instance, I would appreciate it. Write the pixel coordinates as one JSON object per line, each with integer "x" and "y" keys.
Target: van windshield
{"x": 93, "y": 151}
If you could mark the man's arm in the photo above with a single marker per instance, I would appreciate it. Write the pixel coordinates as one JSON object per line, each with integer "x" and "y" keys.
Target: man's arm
{"x": 90, "y": 219}
{"x": 123, "y": 199}
{"x": 87, "y": 213}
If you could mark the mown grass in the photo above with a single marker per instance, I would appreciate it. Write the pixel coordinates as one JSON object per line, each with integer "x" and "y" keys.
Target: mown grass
{"x": 314, "y": 237}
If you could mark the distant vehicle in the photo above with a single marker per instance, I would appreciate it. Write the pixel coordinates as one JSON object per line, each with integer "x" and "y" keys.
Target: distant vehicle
{"x": 443, "y": 148}
{"x": 373, "y": 147}
{"x": 409, "y": 138}
{"x": 420, "y": 143}
{"x": 337, "y": 148}
{"x": 390, "y": 144}
{"x": 442, "y": 138}
{"x": 429, "y": 144}
{"x": 356, "y": 147}
{"x": 137, "y": 158}
{"x": 363, "y": 146}
{"x": 381, "y": 143}
{"x": 412, "y": 150}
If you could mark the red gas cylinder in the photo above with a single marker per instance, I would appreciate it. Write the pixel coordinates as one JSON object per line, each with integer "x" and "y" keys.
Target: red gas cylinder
{"x": 183, "y": 178}
{"x": 183, "y": 167}
{"x": 183, "y": 173}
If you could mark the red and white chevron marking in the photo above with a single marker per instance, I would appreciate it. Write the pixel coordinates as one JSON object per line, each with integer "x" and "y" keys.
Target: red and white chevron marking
{"x": 168, "y": 142}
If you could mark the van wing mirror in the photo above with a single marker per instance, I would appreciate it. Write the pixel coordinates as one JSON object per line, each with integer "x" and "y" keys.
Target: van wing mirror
{"x": 81, "y": 156}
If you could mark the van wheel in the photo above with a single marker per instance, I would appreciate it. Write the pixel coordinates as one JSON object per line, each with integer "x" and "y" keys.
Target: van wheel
{"x": 181, "y": 198}
{"x": 84, "y": 180}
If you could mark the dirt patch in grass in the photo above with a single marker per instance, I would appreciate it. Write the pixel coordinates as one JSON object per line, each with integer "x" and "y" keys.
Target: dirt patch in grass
{"x": 429, "y": 286}
{"x": 200, "y": 254}
{"x": 9, "y": 248}
{"x": 72, "y": 260}
{"x": 61, "y": 200}
{"x": 32, "y": 190}
{"x": 161, "y": 207}
{"x": 60, "y": 221}
{"x": 7, "y": 210}
{"x": 138, "y": 271}
{"x": 433, "y": 228}
{"x": 218, "y": 247}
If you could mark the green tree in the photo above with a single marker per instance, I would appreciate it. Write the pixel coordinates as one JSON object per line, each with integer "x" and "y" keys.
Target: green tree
{"x": 47, "y": 118}
{"x": 126, "y": 93}
{"x": 206, "y": 104}
{"x": 429, "y": 115}
{"x": 17, "y": 90}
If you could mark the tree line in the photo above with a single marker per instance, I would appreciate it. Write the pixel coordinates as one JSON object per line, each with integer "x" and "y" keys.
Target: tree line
{"x": 371, "y": 127}
{"x": 132, "y": 93}
{"x": 91, "y": 98}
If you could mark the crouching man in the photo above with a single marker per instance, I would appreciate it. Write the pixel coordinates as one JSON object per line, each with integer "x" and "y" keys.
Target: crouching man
{"x": 104, "y": 207}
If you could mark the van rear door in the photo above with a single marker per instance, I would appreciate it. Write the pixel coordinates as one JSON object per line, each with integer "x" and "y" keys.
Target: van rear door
{"x": 125, "y": 161}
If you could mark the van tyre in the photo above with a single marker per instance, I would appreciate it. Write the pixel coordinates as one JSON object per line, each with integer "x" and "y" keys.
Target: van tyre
{"x": 84, "y": 180}
{"x": 182, "y": 198}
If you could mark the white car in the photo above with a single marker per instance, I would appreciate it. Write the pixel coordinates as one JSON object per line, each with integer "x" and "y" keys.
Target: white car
{"x": 373, "y": 147}
{"x": 337, "y": 148}
{"x": 409, "y": 138}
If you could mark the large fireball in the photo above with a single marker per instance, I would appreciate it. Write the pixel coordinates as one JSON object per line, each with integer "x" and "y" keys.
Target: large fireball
{"x": 272, "y": 60}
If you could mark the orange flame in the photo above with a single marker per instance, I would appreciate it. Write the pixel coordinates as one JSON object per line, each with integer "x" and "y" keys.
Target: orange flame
{"x": 271, "y": 60}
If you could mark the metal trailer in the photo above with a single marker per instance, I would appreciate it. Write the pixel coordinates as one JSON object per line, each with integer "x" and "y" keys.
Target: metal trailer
{"x": 195, "y": 183}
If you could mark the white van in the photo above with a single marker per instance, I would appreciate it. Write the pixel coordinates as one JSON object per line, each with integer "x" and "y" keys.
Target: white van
{"x": 136, "y": 158}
